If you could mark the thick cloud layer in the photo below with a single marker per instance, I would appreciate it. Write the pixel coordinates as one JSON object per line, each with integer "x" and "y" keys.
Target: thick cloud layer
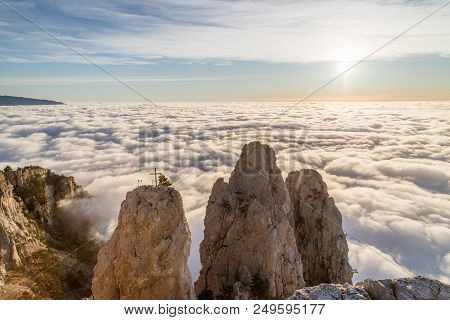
{"x": 386, "y": 164}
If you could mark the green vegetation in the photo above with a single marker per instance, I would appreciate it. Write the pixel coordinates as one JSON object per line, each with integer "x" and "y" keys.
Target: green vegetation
{"x": 31, "y": 167}
{"x": 163, "y": 181}
{"x": 54, "y": 179}
{"x": 260, "y": 287}
{"x": 7, "y": 169}
{"x": 47, "y": 274}
{"x": 52, "y": 279}
{"x": 34, "y": 189}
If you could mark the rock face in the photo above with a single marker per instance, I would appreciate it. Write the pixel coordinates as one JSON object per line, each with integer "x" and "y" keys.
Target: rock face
{"x": 146, "y": 257}
{"x": 28, "y": 247}
{"x": 416, "y": 288}
{"x": 318, "y": 230}
{"x": 40, "y": 190}
{"x": 326, "y": 291}
{"x": 249, "y": 248}
{"x": 19, "y": 237}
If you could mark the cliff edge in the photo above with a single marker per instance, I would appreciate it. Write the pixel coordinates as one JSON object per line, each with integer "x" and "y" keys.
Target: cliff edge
{"x": 35, "y": 252}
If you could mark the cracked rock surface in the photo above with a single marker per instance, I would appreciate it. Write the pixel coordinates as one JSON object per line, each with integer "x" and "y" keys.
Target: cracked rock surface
{"x": 146, "y": 257}
{"x": 33, "y": 237}
{"x": 413, "y": 288}
{"x": 318, "y": 230}
{"x": 249, "y": 241}
{"x": 326, "y": 291}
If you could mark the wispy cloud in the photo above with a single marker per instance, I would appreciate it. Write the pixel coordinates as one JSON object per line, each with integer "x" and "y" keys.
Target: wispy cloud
{"x": 270, "y": 31}
{"x": 98, "y": 80}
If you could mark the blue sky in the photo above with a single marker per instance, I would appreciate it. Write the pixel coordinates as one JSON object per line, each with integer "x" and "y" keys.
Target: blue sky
{"x": 224, "y": 50}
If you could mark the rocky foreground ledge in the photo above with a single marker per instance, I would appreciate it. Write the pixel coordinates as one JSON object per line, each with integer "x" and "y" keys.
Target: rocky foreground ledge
{"x": 415, "y": 288}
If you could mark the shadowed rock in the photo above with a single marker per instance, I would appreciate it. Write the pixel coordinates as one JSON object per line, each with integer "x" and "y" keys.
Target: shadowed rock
{"x": 318, "y": 230}
{"x": 34, "y": 246}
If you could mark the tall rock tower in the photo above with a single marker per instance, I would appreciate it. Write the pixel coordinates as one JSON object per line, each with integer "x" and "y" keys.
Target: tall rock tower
{"x": 146, "y": 257}
{"x": 249, "y": 248}
{"x": 318, "y": 230}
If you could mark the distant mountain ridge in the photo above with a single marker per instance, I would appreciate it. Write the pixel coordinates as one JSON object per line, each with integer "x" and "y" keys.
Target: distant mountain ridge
{"x": 19, "y": 101}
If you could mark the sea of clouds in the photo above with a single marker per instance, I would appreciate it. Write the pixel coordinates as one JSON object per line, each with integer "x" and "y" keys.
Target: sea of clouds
{"x": 387, "y": 165}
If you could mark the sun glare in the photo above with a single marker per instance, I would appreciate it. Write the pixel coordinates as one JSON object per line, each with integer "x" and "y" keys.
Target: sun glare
{"x": 344, "y": 66}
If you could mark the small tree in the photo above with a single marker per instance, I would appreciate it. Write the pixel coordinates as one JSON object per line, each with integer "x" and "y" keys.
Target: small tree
{"x": 163, "y": 181}
{"x": 33, "y": 189}
{"x": 8, "y": 169}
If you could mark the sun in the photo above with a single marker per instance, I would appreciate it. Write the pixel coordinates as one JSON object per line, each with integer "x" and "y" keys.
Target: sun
{"x": 345, "y": 66}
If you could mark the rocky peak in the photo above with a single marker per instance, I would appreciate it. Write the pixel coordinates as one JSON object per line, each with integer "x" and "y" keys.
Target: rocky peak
{"x": 249, "y": 244}
{"x": 146, "y": 257}
{"x": 318, "y": 230}
{"x": 257, "y": 175}
{"x": 40, "y": 190}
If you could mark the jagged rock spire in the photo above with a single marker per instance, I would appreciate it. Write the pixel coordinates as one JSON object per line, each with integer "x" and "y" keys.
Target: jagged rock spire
{"x": 146, "y": 257}
{"x": 318, "y": 230}
{"x": 249, "y": 241}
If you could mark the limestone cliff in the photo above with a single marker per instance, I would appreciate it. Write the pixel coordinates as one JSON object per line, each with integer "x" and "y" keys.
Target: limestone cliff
{"x": 34, "y": 259}
{"x": 318, "y": 230}
{"x": 416, "y": 288}
{"x": 40, "y": 190}
{"x": 146, "y": 257}
{"x": 249, "y": 248}
{"x": 19, "y": 236}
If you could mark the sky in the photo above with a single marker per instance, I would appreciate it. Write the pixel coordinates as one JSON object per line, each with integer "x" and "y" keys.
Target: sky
{"x": 210, "y": 50}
